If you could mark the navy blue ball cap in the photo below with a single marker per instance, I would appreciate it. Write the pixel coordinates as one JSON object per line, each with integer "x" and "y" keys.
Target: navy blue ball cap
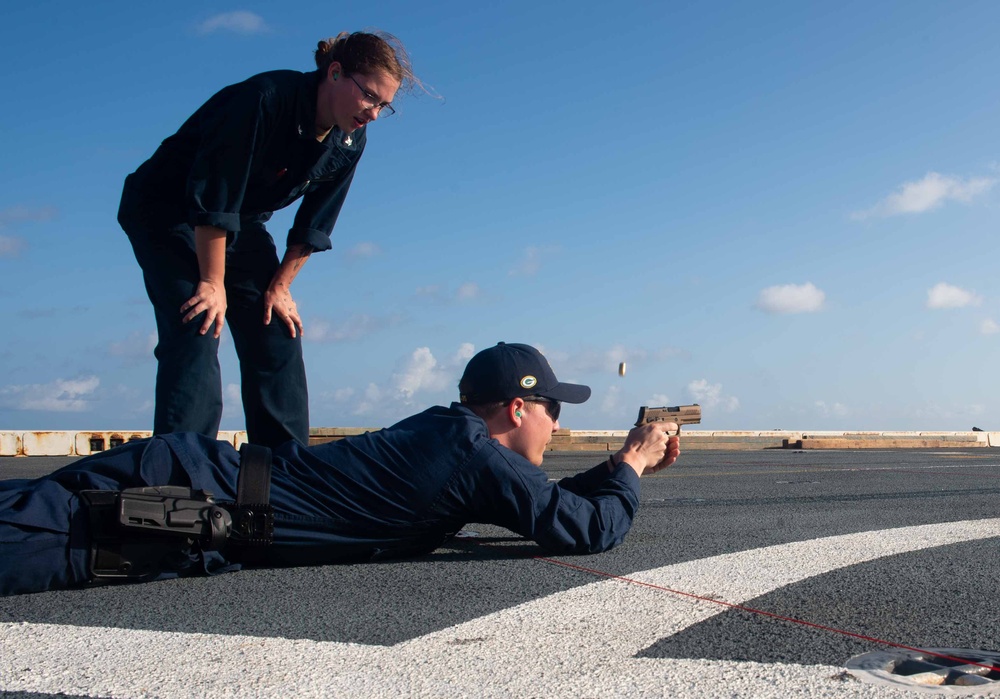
{"x": 512, "y": 370}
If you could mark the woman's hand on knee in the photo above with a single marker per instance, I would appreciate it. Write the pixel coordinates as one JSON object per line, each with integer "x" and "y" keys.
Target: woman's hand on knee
{"x": 278, "y": 301}
{"x": 209, "y": 298}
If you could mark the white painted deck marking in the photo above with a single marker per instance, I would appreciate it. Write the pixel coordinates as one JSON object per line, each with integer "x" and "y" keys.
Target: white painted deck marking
{"x": 579, "y": 642}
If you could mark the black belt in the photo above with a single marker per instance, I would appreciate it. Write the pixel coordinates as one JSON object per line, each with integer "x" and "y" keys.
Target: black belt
{"x": 253, "y": 514}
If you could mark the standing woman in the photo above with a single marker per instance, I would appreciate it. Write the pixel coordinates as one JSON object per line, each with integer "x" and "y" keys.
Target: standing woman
{"x": 195, "y": 213}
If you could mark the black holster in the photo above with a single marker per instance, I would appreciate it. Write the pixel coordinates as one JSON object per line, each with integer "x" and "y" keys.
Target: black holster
{"x": 137, "y": 533}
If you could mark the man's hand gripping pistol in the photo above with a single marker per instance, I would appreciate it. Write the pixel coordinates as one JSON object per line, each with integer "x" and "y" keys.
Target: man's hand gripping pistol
{"x": 680, "y": 415}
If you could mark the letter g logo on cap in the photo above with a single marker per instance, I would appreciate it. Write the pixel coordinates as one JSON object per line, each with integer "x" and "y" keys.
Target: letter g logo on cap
{"x": 528, "y": 382}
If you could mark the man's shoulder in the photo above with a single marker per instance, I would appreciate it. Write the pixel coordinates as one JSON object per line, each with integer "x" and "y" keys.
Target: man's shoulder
{"x": 440, "y": 418}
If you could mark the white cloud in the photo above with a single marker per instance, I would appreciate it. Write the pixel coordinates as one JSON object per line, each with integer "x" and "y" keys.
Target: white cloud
{"x": 836, "y": 409}
{"x": 468, "y": 292}
{"x": 989, "y": 327}
{"x": 944, "y": 295}
{"x": 232, "y": 404}
{"x": 710, "y": 396}
{"x": 354, "y": 328}
{"x": 238, "y": 22}
{"x": 363, "y": 250}
{"x": 59, "y": 396}
{"x": 936, "y": 413}
{"x": 233, "y": 394}
{"x": 432, "y": 291}
{"x": 463, "y": 354}
{"x": 435, "y": 293}
{"x": 531, "y": 261}
{"x": 371, "y": 401}
{"x": 617, "y": 354}
{"x": 611, "y": 402}
{"x": 17, "y": 214}
{"x": 659, "y": 400}
{"x": 50, "y": 312}
{"x": 418, "y": 372}
{"x": 421, "y": 371}
{"x": 11, "y": 246}
{"x": 791, "y": 298}
{"x": 606, "y": 361}
{"x": 420, "y": 380}
{"x": 134, "y": 348}
{"x": 928, "y": 194}
{"x": 342, "y": 395}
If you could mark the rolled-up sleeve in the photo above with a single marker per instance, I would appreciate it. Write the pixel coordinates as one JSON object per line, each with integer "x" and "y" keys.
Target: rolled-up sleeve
{"x": 230, "y": 129}
{"x": 318, "y": 212}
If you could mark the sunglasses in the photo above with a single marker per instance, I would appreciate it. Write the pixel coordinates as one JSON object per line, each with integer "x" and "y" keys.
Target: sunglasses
{"x": 552, "y": 407}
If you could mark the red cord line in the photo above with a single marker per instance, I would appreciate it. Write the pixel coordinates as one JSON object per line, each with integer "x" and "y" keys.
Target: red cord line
{"x": 872, "y": 639}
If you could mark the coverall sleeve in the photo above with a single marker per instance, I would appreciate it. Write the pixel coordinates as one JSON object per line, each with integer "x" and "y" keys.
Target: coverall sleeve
{"x": 585, "y": 482}
{"x": 232, "y": 126}
{"x": 318, "y": 212}
{"x": 520, "y": 497}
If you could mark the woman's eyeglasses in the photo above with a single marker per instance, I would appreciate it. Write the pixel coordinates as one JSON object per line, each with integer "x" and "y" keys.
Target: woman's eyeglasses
{"x": 370, "y": 101}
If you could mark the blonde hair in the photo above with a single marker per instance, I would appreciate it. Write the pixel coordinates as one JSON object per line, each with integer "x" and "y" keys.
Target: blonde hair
{"x": 368, "y": 52}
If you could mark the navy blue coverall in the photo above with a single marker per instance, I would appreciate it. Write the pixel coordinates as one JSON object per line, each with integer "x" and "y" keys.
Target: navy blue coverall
{"x": 401, "y": 491}
{"x": 248, "y": 151}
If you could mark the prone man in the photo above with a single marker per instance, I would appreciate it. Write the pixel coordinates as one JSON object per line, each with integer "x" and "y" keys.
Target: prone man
{"x": 182, "y": 504}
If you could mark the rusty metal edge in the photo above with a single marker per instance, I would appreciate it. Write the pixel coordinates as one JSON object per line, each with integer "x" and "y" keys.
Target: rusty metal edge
{"x": 86, "y": 442}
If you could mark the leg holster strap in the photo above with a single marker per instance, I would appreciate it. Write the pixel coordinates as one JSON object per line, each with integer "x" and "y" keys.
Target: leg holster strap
{"x": 252, "y": 513}
{"x": 136, "y": 532}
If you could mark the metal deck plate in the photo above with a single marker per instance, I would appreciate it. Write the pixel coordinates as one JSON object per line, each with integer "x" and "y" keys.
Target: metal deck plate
{"x": 961, "y": 672}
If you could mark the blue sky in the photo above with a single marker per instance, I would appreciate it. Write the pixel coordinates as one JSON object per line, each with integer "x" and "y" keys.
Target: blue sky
{"x": 785, "y": 211}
